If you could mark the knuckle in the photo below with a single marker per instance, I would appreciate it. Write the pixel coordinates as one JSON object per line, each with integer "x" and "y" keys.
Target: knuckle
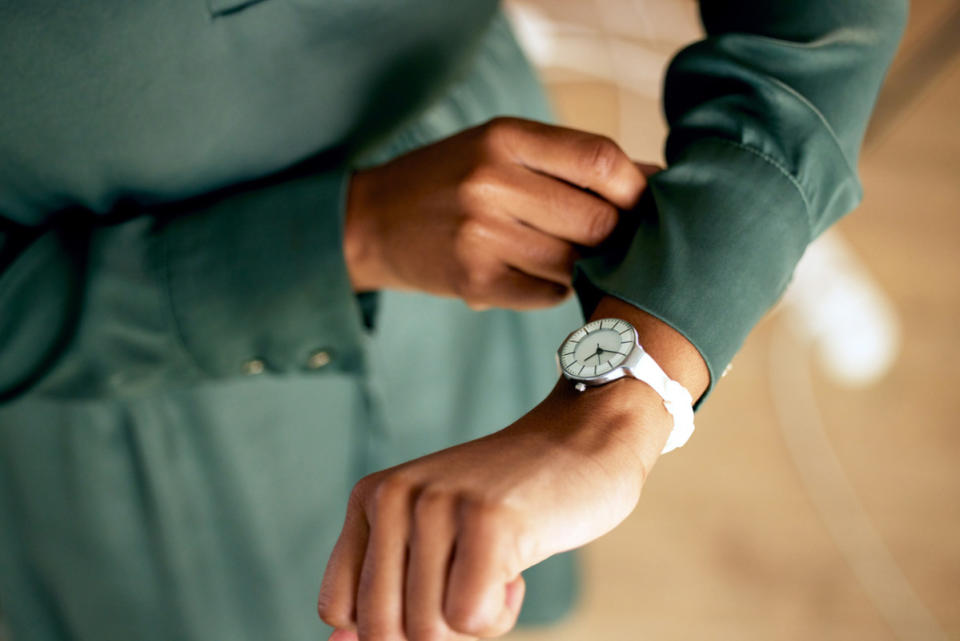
{"x": 471, "y": 237}
{"x": 600, "y": 222}
{"x": 479, "y": 281}
{"x": 496, "y": 130}
{"x": 430, "y": 501}
{"x": 361, "y": 496}
{"x": 482, "y": 513}
{"x": 332, "y": 613}
{"x": 474, "y": 190}
{"x": 359, "y": 492}
{"x": 476, "y": 281}
{"x": 600, "y": 156}
{"x": 389, "y": 490}
{"x": 472, "y": 232}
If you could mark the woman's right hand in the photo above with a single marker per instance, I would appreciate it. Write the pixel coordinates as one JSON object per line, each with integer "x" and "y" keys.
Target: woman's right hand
{"x": 493, "y": 215}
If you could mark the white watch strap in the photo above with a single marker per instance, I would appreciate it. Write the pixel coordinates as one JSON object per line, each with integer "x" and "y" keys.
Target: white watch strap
{"x": 676, "y": 399}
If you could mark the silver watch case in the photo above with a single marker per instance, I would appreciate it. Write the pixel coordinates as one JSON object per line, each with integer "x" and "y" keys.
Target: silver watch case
{"x": 622, "y": 370}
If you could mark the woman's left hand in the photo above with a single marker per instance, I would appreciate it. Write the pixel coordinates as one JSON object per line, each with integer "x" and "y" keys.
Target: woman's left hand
{"x": 432, "y": 550}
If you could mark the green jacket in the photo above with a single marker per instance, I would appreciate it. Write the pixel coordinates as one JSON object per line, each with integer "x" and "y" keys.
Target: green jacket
{"x": 171, "y": 197}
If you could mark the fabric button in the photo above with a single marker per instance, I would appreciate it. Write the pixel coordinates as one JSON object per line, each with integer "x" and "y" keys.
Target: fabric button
{"x": 319, "y": 358}
{"x": 254, "y": 366}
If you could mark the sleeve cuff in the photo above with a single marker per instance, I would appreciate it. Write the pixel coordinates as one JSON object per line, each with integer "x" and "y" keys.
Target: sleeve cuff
{"x": 257, "y": 280}
{"x": 709, "y": 249}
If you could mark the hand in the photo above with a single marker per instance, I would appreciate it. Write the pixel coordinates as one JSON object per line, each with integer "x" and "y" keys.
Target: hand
{"x": 432, "y": 550}
{"x": 495, "y": 215}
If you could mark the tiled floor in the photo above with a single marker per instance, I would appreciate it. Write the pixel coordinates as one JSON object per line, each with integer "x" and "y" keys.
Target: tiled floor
{"x": 802, "y": 510}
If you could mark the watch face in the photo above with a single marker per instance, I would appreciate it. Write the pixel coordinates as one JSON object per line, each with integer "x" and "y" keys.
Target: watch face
{"x": 597, "y": 348}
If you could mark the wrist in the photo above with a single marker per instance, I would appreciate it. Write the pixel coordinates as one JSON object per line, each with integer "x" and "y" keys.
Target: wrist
{"x": 672, "y": 351}
{"x": 359, "y": 246}
{"x": 624, "y": 420}
{"x": 630, "y": 413}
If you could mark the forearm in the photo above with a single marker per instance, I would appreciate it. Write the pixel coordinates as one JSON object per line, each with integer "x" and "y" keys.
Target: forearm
{"x": 625, "y": 421}
{"x": 213, "y": 288}
{"x": 669, "y": 348}
{"x": 765, "y": 116}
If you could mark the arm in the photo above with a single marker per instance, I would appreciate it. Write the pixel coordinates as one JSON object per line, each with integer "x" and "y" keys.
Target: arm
{"x": 92, "y": 305}
{"x": 766, "y": 117}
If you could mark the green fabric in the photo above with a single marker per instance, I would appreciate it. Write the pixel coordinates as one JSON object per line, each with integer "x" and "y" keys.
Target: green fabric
{"x": 171, "y": 199}
{"x": 766, "y": 119}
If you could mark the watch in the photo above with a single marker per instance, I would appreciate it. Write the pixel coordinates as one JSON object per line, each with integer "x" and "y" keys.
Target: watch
{"x": 607, "y": 349}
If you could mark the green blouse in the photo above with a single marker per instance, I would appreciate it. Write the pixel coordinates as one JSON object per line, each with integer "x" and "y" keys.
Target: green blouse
{"x": 188, "y": 385}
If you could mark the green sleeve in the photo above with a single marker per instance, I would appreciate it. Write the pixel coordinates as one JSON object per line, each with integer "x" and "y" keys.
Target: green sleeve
{"x": 766, "y": 118}
{"x": 94, "y": 305}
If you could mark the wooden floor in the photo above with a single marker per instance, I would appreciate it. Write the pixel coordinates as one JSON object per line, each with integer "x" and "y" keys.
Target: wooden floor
{"x": 802, "y": 509}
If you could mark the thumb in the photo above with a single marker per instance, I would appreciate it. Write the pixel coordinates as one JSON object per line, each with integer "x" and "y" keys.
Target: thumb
{"x": 482, "y": 600}
{"x": 343, "y": 635}
{"x": 647, "y": 169}
{"x": 499, "y": 609}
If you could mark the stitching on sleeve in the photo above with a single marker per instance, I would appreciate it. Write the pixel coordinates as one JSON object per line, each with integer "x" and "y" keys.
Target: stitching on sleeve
{"x": 808, "y": 209}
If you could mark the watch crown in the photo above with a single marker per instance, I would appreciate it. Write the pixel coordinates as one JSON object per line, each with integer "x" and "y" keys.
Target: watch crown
{"x": 580, "y": 387}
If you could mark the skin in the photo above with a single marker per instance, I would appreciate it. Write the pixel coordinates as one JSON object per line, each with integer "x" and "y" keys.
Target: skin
{"x": 432, "y": 550}
{"x": 495, "y": 215}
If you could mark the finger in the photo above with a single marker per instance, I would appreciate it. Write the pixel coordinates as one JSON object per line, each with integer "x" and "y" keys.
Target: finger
{"x": 578, "y": 157}
{"x": 647, "y": 169}
{"x": 336, "y": 603}
{"x": 380, "y": 593}
{"x": 485, "y": 590}
{"x": 510, "y": 288}
{"x": 343, "y": 635}
{"x": 558, "y": 208}
{"x": 529, "y": 250}
{"x": 431, "y": 545}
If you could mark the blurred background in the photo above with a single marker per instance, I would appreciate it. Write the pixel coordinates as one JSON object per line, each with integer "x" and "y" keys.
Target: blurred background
{"x": 820, "y": 496}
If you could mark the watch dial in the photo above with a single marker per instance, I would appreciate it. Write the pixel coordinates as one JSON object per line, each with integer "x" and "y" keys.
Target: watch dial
{"x": 597, "y": 347}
